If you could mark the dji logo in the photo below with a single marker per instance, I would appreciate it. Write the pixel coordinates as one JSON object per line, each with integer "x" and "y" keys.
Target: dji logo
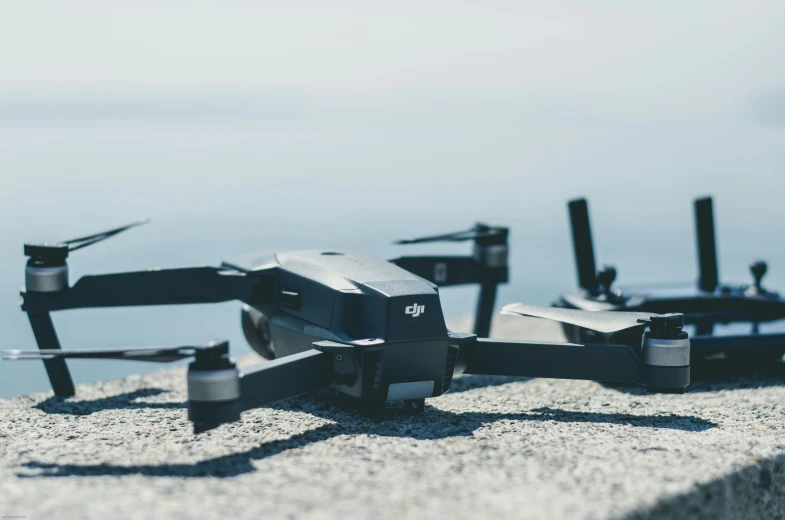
{"x": 415, "y": 310}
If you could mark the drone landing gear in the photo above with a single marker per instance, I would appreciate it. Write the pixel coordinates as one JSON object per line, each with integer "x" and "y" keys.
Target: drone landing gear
{"x": 56, "y": 368}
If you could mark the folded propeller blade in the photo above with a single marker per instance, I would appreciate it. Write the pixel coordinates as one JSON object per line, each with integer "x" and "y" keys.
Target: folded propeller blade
{"x": 78, "y": 243}
{"x": 154, "y": 354}
{"x": 605, "y": 322}
{"x": 478, "y": 231}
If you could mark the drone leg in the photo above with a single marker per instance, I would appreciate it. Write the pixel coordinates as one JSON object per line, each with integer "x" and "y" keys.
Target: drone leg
{"x": 485, "y": 303}
{"x": 56, "y": 369}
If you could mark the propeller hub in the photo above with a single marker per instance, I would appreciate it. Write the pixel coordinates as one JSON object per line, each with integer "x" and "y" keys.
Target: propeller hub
{"x": 46, "y": 270}
{"x": 606, "y": 276}
{"x": 46, "y": 255}
{"x": 758, "y": 270}
{"x": 214, "y": 358}
{"x": 490, "y": 236}
{"x": 667, "y": 326}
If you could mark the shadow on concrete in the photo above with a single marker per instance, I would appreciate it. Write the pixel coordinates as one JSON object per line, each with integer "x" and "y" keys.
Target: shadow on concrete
{"x": 434, "y": 424}
{"x": 467, "y": 382}
{"x": 754, "y": 491}
{"x": 127, "y": 401}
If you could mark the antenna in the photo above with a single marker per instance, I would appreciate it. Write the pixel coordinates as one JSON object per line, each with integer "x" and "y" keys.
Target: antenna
{"x": 708, "y": 276}
{"x": 582, "y": 242}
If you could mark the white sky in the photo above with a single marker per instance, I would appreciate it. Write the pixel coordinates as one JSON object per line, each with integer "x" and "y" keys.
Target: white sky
{"x": 664, "y": 49}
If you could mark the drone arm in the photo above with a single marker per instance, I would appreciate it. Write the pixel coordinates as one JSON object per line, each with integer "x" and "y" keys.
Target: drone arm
{"x": 557, "y": 360}
{"x": 218, "y": 396}
{"x": 596, "y": 362}
{"x": 156, "y": 287}
{"x": 285, "y": 377}
{"x": 743, "y": 344}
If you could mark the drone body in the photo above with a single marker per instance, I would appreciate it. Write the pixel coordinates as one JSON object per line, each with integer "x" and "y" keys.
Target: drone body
{"x": 704, "y": 305}
{"x": 390, "y": 319}
{"x": 366, "y": 327}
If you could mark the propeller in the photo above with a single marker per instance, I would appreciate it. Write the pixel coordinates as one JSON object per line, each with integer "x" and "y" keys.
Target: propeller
{"x": 605, "y": 322}
{"x": 478, "y": 232}
{"x": 60, "y": 250}
{"x": 79, "y": 243}
{"x": 154, "y": 354}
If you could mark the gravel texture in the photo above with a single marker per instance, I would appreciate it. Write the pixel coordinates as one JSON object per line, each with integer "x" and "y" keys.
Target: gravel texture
{"x": 494, "y": 447}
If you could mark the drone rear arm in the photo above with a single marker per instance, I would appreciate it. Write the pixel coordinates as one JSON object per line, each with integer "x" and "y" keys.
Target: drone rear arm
{"x": 155, "y": 287}
{"x": 596, "y": 362}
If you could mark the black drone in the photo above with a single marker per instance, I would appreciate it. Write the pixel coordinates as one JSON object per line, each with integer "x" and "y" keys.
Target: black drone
{"x": 368, "y": 328}
{"x": 704, "y": 305}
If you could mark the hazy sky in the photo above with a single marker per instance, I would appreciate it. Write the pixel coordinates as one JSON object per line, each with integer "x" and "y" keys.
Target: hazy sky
{"x": 632, "y": 55}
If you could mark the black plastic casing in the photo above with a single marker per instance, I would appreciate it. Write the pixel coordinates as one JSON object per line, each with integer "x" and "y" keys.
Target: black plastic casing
{"x": 386, "y": 323}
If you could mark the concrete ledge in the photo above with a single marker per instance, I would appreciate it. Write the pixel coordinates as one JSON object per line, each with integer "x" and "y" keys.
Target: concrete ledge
{"x": 492, "y": 448}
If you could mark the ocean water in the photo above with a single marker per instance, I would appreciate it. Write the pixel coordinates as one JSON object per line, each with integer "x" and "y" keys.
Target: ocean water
{"x": 220, "y": 179}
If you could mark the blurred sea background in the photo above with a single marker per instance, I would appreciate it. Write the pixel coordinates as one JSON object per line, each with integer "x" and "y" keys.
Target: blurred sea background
{"x": 275, "y": 125}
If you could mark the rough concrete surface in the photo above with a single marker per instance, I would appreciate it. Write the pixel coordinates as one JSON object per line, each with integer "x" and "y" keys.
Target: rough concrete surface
{"x": 495, "y": 447}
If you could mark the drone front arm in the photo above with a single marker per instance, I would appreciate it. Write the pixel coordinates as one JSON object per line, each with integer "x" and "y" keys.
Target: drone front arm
{"x": 156, "y": 287}
{"x": 596, "y": 362}
{"x": 285, "y": 377}
{"x": 218, "y": 396}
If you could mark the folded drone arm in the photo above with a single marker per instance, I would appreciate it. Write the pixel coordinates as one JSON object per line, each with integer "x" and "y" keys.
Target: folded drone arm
{"x": 596, "y": 362}
{"x": 156, "y": 287}
{"x": 152, "y": 287}
{"x": 285, "y": 377}
{"x": 216, "y": 397}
